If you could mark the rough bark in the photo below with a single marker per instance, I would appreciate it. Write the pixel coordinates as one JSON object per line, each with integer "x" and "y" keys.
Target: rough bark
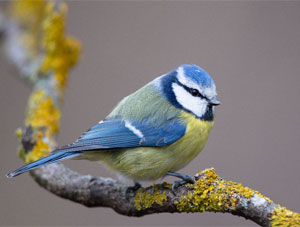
{"x": 106, "y": 192}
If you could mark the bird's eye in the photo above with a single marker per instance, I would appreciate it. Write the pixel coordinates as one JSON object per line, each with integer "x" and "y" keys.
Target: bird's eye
{"x": 195, "y": 92}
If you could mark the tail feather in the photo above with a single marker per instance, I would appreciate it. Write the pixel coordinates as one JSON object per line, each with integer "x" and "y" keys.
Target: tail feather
{"x": 52, "y": 158}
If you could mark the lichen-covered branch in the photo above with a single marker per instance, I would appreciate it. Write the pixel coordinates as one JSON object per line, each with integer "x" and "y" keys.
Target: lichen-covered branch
{"x": 209, "y": 193}
{"x": 36, "y": 43}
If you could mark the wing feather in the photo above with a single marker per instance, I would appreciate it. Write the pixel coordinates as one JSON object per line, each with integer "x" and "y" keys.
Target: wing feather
{"x": 118, "y": 134}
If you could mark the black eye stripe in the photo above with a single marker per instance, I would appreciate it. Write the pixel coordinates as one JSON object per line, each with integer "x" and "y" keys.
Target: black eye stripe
{"x": 194, "y": 92}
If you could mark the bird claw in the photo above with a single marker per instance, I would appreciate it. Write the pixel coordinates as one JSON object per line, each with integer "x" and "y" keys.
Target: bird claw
{"x": 184, "y": 180}
{"x": 133, "y": 188}
{"x": 177, "y": 184}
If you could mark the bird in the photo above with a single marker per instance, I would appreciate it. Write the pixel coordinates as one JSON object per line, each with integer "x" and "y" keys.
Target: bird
{"x": 152, "y": 133}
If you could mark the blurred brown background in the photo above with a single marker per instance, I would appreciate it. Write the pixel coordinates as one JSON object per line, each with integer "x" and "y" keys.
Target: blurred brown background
{"x": 251, "y": 49}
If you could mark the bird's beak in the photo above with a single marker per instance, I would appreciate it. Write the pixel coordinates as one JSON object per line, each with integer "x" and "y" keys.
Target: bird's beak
{"x": 214, "y": 102}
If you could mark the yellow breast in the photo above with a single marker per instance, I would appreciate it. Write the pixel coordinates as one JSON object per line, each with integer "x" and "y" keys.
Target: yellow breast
{"x": 194, "y": 140}
{"x": 151, "y": 163}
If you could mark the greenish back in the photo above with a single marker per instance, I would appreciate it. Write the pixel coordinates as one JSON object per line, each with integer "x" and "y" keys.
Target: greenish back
{"x": 146, "y": 104}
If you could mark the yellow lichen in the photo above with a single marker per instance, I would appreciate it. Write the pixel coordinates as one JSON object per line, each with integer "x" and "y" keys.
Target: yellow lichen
{"x": 29, "y": 14}
{"x": 284, "y": 217}
{"x": 42, "y": 113}
{"x": 211, "y": 193}
{"x": 43, "y": 33}
{"x": 19, "y": 133}
{"x": 144, "y": 199}
{"x": 61, "y": 52}
{"x": 43, "y": 116}
{"x": 40, "y": 150}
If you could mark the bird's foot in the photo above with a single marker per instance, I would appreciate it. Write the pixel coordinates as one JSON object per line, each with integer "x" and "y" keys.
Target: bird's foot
{"x": 133, "y": 188}
{"x": 184, "y": 180}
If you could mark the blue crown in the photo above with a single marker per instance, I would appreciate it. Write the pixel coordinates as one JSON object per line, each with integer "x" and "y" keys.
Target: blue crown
{"x": 198, "y": 75}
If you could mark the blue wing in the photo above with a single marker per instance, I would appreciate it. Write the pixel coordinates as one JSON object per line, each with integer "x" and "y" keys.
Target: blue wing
{"x": 118, "y": 133}
{"x": 112, "y": 134}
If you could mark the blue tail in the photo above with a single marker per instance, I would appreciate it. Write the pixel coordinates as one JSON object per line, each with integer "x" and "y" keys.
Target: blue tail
{"x": 52, "y": 158}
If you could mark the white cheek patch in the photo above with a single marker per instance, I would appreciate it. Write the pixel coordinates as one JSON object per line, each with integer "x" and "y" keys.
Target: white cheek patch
{"x": 194, "y": 104}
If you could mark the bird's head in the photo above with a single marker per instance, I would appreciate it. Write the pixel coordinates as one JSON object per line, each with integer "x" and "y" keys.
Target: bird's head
{"x": 191, "y": 88}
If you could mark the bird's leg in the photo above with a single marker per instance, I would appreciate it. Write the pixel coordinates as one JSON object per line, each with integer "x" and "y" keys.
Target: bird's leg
{"x": 133, "y": 188}
{"x": 185, "y": 179}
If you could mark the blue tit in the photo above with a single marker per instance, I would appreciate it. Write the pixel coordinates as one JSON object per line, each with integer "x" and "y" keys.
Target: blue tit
{"x": 151, "y": 133}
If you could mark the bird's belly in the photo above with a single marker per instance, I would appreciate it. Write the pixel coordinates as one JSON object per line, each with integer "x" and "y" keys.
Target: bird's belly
{"x": 151, "y": 163}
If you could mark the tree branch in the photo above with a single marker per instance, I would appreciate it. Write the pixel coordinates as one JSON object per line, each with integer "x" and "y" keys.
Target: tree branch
{"x": 46, "y": 63}
{"x": 209, "y": 193}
